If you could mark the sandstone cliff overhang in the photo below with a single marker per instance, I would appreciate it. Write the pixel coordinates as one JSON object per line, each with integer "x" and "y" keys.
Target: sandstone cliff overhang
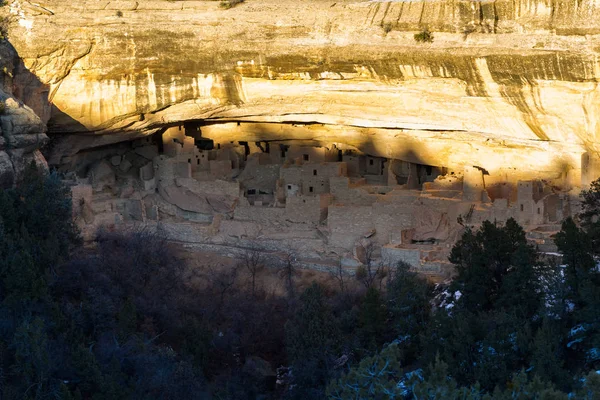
{"x": 504, "y": 83}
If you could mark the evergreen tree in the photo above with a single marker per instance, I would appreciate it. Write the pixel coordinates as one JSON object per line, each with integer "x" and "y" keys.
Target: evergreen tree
{"x": 409, "y": 295}
{"x": 582, "y": 278}
{"x": 36, "y": 234}
{"x": 372, "y": 319}
{"x": 312, "y": 343}
{"x": 497, "y": 269}
{"x": 590, "y": 214}
{"x": 375, "y": 377}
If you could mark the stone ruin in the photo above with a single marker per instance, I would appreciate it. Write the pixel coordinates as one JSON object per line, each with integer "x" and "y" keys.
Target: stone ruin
{"x": 321, "y": 201}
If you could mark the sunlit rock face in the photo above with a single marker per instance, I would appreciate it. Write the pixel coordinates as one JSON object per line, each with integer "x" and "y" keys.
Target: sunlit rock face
{"x": 508, "y": 86}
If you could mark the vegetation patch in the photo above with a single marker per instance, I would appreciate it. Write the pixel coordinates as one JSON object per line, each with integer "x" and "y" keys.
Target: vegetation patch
{"x": 387, "y": 27}
{"x": 129, "y": 319}
{"x": 424, "y": 36}
{"x": 227, "y": 4}
{"x": 5, "y": 22}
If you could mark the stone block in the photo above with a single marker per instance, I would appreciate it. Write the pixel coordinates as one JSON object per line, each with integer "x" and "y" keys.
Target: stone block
{"x": 134, "y": 210}
{"x": 150, "y": 184}
{"x": 125, "y": 165}
{"x": 115, "y": 160}
{"x": 147, "y": 172}
{"x": 148, "y": 152}
{"x": 183, "y": 170}
{"x": 151, "y": 211}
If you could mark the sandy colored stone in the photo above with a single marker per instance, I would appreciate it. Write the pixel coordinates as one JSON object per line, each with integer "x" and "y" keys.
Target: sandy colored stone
{"x": 508, "y": 83}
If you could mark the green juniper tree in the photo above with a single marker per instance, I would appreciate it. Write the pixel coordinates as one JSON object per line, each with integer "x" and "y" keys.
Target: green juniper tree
{"x": 312, "y": 343}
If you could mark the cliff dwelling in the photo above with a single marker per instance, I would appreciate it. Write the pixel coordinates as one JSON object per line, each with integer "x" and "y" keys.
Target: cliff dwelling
{"x": 207, "y": 188}
{"x": 314, "y": 137}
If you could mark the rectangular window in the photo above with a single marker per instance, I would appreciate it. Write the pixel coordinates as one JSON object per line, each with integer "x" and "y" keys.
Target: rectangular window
{"x": 310, "y": 189}
{"x": 251, "y": 191}
{"x": 315, "y": 172}
{"x": 305, "y": 157}
{"x": 371, "y": 162}
{"x": 289, "y": 187}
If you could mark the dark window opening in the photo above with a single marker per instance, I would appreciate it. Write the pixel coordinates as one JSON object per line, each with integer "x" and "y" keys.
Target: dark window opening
{"x": 289, "y": 187}
{"x": 219, "y": 146}
{"x": 521, "y": 207}
{"x": 238, "y": 124}
{"x": 314, "y": 172}
{"x": 428, "y": 170}
{"x": 157, "y": 138}
{"x": 251, "y": 191}
{"x": 204, "y": 144}
{"x": 340, "y": 155}
{"x": 198, "y": 161}
{"x": 189, "y": 160}
{"x": 371, "y": 162}
{"x": 538, "y": 210}
{"x": 305, "y": 157}
{"x": 304, "y": 201}
{"x": 246, "y": 148}
{"x": 310, "y": 189}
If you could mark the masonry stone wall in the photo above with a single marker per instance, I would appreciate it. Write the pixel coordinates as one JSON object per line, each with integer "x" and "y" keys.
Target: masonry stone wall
{"x": 347, "y": 224}
{"x": 307, "y": 209}
{"x": 473, "y": 184}
{"x": 393, "y": 255}
{"x": 220, "y": 169}
{"x": 260, "y": 178}
{"x": 81, "y": 195}
{"x": 216, "y": 187}
{"x": 343, "y": 193}
{"x": 306, "y": 154}
{"x": 259, "y": 214}
{"x": 374, "y": 165}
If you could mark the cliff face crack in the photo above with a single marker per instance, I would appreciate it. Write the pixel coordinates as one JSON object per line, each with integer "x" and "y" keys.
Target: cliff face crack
{"x": 39, "y": 8}
{"x": 66, "y": 70}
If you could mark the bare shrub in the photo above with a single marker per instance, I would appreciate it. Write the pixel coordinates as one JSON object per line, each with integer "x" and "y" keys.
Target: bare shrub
{"x": 339, "y": 275}
{"x": 221, "y": 279}
{"x": 288, "y": 272}
{"x": 372, "y": 269}
{"x": 253, "y": 260}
